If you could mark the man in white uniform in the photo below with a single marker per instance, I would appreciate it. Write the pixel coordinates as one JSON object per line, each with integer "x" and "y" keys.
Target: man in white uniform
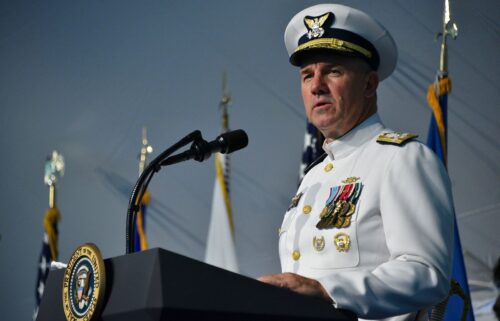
{"x": 371, "y": 226}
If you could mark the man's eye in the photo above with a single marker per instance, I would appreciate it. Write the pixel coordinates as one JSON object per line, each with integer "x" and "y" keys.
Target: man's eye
{"x": 306, "y": 77}
{"x": 334, "y": 72}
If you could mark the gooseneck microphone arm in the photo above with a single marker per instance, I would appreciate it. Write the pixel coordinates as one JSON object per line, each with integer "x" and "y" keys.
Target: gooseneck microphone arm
{"x": 143, "y": 182}
{"x": 200, "y": 150}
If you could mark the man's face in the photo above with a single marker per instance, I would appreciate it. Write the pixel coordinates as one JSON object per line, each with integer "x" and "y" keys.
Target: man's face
{"x": 336, "y": 91}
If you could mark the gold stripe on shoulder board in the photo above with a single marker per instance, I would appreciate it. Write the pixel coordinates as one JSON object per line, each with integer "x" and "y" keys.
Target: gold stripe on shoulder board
{"x": 395, "y": 138}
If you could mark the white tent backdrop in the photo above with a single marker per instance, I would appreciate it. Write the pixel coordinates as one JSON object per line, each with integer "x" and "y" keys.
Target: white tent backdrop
{"x": 84, "y": 77}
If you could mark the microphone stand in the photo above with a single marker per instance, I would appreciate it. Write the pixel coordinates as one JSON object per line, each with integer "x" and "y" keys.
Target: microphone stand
{"x": 143, "y": 182}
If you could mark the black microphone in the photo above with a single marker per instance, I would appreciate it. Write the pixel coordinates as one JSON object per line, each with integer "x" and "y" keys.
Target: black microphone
{"x": 229, "y": 142}
{"x": 201, "y": 150}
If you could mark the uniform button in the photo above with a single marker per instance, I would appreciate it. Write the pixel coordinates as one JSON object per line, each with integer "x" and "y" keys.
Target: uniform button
{"x": 328, "y": 167}
{"x": 296, "y": 255}
{"x": 307, "y": 209}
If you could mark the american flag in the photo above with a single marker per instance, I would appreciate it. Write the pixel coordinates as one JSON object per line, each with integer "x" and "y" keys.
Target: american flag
{"x": 47, "y": 255}
{"x": 313, "y": 142}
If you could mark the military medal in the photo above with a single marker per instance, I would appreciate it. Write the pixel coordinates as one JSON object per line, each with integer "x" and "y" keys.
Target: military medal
{"x": 340, "y": 205}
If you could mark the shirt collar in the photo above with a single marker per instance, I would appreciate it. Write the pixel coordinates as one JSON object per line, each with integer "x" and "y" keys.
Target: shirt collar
{"x": 349, "y": 142}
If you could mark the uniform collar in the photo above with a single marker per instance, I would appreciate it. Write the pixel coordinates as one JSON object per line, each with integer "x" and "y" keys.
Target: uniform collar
{"x": 345, "y": 145}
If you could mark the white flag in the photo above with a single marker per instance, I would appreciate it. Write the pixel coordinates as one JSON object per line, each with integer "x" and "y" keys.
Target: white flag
{"x": 221, "y": 250}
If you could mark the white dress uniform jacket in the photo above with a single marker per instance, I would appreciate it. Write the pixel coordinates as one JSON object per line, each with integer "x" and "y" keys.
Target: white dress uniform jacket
{"x": 394, "y": 258}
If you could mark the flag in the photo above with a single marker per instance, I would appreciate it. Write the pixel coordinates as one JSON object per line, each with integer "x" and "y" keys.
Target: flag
{"x": 313, "y": 147}
{"x": 48, "y": 253}
{"x": 437, "y": 97}
{"x": 221, "y": 249}
{"x": 141, "y": 242}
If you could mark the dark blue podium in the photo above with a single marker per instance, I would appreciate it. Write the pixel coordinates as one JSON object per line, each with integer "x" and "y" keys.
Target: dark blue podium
{"x": 160, "y": 285}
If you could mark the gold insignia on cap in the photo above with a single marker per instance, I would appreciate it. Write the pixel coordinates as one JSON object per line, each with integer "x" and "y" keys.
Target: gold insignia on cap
{"x": 395, "y": 138}
{"x": 314, "y": 25}
{"x": 307, "y": 209}
{"x": 296, "y": 255}
{"x": 342, "y": 242}
{"x": 328, "y": 167}
{"x": 319, "y": 243}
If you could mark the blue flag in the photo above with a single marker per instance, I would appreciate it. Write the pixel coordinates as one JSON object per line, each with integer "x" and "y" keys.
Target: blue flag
{"x": 141, "y": 242}
{"x": 437, "y": 97}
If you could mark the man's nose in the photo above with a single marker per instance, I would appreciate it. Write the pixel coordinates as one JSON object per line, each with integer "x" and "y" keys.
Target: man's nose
{"x": 318, "y": 86}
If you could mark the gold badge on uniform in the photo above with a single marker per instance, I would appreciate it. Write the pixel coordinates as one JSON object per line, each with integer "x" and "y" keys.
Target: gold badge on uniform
{"x": 340, "y": 205}
{"x": 342, "y": 242}
{"x": 84, "y": 284}
{"x": 319, "y": 243}
{"x": 295, "y": 201}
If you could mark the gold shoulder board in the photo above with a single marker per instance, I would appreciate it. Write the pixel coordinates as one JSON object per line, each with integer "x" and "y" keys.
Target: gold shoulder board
{"x": 395, "y": 138}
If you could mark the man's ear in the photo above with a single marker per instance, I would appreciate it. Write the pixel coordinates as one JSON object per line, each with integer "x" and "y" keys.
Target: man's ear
{"x": 371, "y": 83}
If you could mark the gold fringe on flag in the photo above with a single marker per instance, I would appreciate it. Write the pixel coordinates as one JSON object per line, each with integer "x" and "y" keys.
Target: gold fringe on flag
{"x": 443, "y": 88}
{"x": 222, "y": 182}
{"x": 140, "y": 226}
{"x": 52, "y": 216}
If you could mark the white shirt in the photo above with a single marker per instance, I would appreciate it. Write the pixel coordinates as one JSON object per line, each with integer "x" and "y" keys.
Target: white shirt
{"x": 398, "y": 260}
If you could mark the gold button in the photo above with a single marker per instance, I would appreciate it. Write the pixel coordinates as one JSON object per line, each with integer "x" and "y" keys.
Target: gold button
{"x": 328, "y": 167}
{"x": 296, "y": 255}
{"x": 307, "y": 209}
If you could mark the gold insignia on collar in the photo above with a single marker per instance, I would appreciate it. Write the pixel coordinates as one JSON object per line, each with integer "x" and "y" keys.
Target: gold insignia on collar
{"x": 395, "y": 138}
{"x": 350, "y": 180}
{"x": 314, "y": 25}
{"x": 295, "y": 201}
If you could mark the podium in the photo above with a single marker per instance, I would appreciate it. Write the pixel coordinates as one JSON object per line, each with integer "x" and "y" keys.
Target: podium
{"x": 161, "y": 285}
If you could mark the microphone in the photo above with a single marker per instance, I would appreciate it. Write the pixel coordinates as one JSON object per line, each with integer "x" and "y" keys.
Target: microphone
{"x": 229, "y": 142}
{"x": 201, "y": 150}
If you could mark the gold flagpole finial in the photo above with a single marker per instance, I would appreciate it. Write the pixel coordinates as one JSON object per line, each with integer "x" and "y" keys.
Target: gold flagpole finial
{"x": 54, "y": 170}
{"x": 146, "y": 149}
{"x": 224, "y": 103}
{"x": 449, "y": 29}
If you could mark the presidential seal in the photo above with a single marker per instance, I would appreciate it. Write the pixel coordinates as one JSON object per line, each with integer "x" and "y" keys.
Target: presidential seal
{"x": 84, "y": 284}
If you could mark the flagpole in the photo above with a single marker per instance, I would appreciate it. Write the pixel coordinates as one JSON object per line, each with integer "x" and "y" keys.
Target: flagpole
{"x": 54, "y": 169}
{"x": 449, "y": 29}
{"x": 146, "y": 149}
{"x": 437, "y": 93}
{"x": 224, "y": 104}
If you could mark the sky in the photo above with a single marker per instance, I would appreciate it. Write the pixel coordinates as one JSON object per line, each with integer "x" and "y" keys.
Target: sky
{"x": 84, "y": 78}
